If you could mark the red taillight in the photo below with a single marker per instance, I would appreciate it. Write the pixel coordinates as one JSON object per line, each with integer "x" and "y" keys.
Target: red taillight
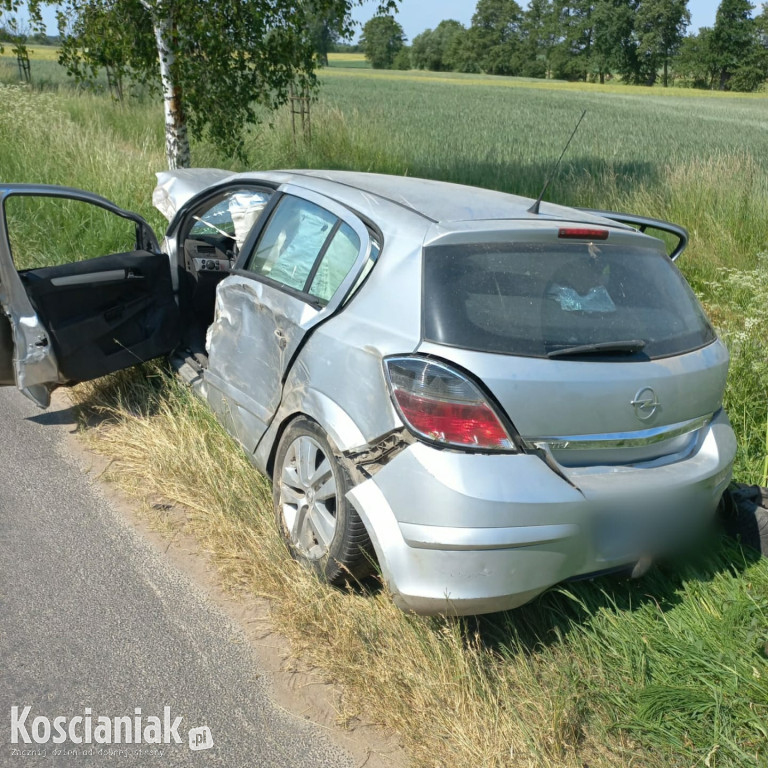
{"x": 470, "y": 424}
{"x": 444, "y": 406}
{"x": 582, "y": 233}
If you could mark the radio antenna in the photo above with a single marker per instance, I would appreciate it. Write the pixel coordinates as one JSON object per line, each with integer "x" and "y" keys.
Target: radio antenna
{"x": 535, "y": 207}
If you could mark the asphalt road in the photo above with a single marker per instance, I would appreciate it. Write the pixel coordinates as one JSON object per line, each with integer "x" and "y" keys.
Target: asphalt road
{"x": 91, "y": 616}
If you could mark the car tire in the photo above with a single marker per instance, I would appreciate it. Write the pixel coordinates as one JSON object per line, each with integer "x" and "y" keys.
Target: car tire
{"x": 744, "y": 509}
{"x": 318, "y": 524}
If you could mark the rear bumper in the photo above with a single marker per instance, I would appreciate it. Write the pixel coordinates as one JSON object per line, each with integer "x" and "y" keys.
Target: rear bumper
{"x": 465, "y": 533}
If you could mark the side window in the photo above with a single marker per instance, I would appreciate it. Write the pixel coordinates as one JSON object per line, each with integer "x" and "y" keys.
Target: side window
{"x": 336, "y": 262}
{"x": 47, "y": 231}
{"x": 229, "y": 219}
{"x": 290, "y": 244}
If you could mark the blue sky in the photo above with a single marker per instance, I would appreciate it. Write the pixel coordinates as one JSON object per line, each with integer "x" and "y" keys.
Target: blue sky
{"x": 418, "y": 15}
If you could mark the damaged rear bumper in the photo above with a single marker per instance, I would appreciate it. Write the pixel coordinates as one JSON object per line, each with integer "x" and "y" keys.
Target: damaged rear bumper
{"x": 462, "y": 533}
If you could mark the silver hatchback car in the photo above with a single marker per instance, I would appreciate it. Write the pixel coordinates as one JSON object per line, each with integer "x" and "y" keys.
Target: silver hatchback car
{"x": 480, "y": 398}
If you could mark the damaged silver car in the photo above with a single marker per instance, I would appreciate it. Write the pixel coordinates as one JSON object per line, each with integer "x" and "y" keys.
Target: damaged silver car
{"x": 479, "y": 397}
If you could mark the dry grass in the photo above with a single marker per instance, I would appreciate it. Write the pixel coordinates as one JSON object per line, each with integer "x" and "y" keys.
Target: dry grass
{"x": 431, "y": 679}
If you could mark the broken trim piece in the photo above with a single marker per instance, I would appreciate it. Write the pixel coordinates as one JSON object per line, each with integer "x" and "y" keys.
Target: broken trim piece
{"x": 369, "y": 459}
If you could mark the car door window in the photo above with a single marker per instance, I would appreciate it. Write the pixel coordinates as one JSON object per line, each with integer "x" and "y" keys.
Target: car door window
{"x": 291, "y": 242}
{"x": 48, "y": 231}
{"x": 335, "y": 263}
{"x": 85, "y": 287}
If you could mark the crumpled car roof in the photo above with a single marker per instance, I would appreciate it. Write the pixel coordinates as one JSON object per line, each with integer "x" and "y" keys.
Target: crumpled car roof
{"x": 438, "y": 201}
{"x": 174, "y": 188}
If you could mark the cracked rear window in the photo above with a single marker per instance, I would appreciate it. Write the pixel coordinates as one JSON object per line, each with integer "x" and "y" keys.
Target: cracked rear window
{"x": 532, "y": 299}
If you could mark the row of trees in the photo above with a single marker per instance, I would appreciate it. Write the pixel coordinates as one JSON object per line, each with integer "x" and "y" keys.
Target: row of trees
{"x": 642, "y": 41}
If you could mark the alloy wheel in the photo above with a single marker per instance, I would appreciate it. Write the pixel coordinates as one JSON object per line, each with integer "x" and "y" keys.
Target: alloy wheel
{"x": 308, "y": 497}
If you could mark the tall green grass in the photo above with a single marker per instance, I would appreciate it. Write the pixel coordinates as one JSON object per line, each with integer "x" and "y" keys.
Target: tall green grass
{"x": 667, "y": 671}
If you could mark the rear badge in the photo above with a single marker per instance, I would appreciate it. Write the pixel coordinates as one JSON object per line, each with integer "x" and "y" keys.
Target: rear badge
{"x": 645, "y": 403}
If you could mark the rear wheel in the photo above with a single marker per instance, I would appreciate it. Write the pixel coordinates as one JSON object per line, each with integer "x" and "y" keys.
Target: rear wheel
{"x": 319, "y": 526}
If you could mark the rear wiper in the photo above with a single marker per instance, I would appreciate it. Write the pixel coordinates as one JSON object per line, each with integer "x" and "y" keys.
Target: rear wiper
{"x": 600, "y": 348}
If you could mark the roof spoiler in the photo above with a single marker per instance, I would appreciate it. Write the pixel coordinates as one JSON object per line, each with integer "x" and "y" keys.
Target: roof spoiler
{"x": 642, "y": 223}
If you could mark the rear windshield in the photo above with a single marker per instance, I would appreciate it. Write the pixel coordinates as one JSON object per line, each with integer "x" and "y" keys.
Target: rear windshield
{"x": 533, "y": 299}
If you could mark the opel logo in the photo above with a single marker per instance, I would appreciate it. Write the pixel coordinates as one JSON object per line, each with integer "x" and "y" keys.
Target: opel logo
{"x": 645, "y": 403}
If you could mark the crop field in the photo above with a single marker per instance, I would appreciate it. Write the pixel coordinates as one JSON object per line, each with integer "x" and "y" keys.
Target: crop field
{"x": 670, "y": 670}
{"x": 531, "y": 82}
{"x": 352, "y": 60}
{"x": 36, "y": 52}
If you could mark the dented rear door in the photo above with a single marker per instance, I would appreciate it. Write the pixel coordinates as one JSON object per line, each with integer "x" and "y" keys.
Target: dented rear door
{"x": 301, "y": 265}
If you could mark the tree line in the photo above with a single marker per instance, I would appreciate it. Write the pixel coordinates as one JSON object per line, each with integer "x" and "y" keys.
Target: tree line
{"x": 642, "y": 42}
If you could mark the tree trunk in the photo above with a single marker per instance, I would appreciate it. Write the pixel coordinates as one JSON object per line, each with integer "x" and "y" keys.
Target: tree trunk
{"x": 666, "y": 72}
{"x": 176, "y": 140}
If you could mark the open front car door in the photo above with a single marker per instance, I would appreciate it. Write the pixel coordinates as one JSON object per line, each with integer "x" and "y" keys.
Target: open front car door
{"x": 84, "y": 289}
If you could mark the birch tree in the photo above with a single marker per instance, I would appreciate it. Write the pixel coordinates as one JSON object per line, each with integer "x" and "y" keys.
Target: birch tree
{"x": 218, "y": 64}
{"x": 166, "y": 38}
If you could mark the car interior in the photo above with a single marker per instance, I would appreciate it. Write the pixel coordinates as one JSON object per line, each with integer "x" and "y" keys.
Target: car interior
{"x": 211, "y": 238}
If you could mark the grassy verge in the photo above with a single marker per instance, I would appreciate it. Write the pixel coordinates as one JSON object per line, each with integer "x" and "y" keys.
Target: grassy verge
{"x": 662, "y": 672}
{"x": 667, "y": 671}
